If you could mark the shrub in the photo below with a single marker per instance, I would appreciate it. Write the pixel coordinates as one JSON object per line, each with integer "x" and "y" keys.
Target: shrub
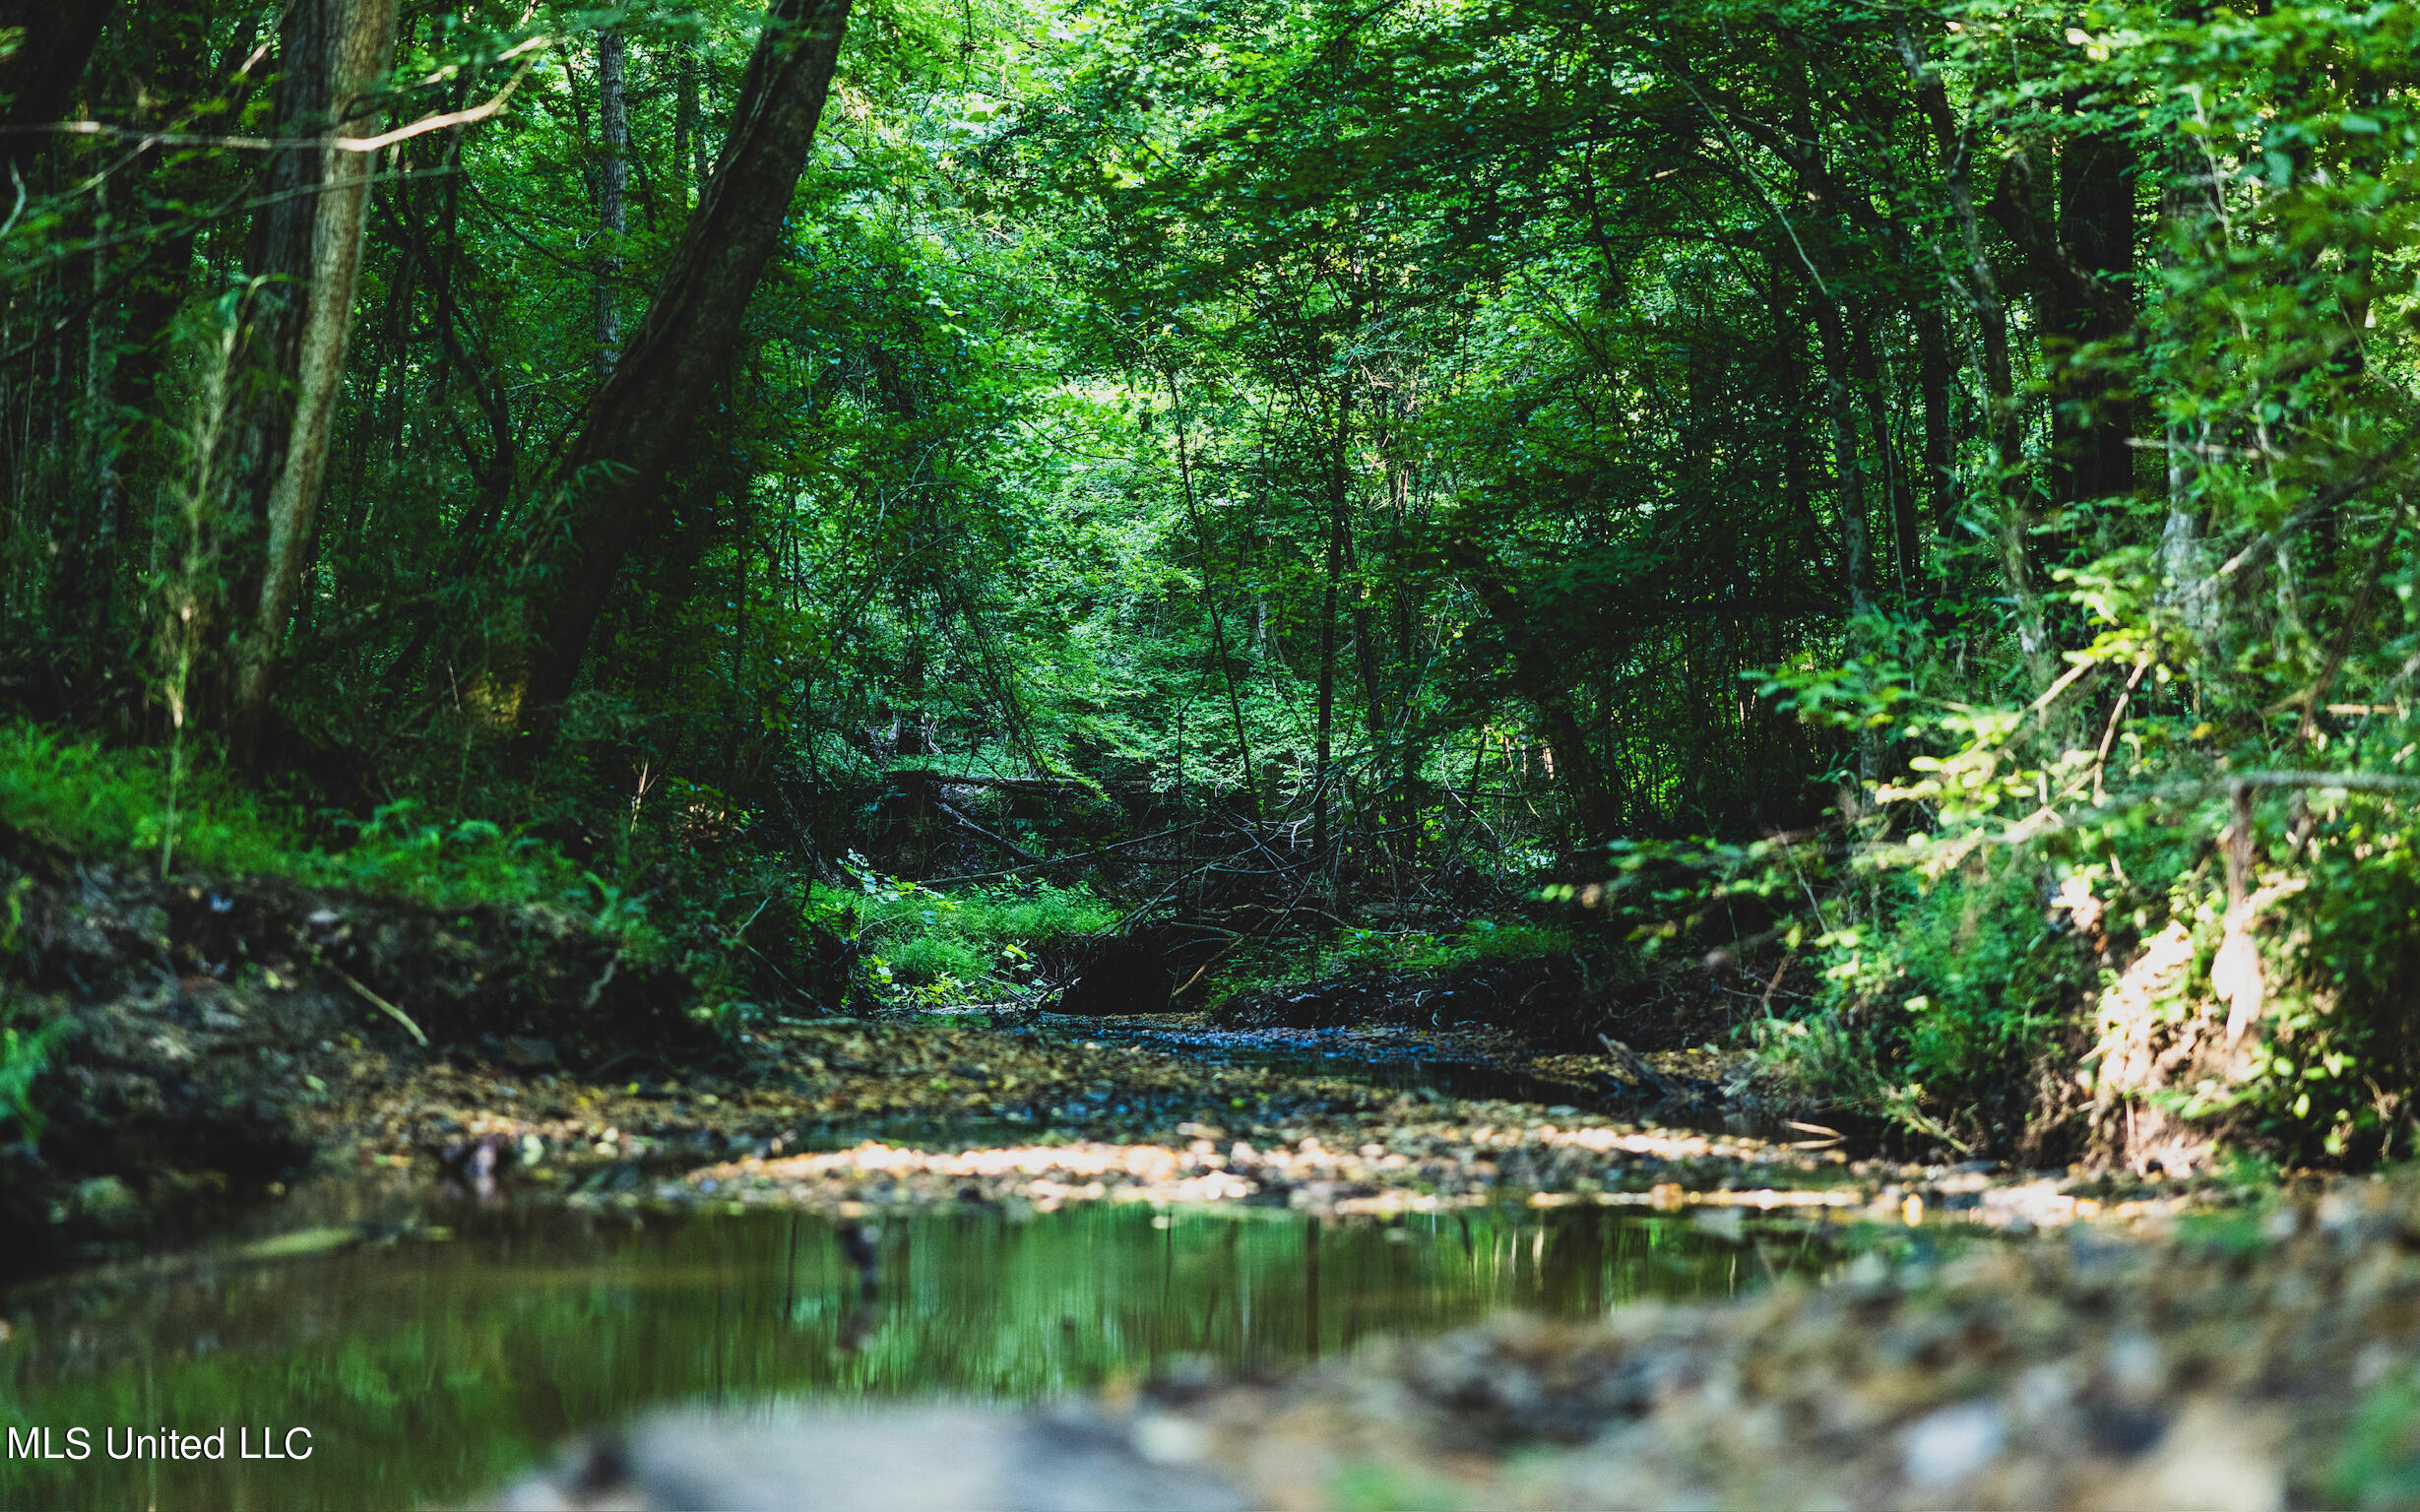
{"x": 967, "y": 944}
{"x": 122, "y": 805}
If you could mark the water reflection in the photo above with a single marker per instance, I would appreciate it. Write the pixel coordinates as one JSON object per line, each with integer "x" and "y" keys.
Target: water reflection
{"x": 430, "y": 1367}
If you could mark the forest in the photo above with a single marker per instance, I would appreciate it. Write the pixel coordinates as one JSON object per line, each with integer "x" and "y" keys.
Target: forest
{"x": 1854, "y": 557}
{"x": 1920, "y": 489}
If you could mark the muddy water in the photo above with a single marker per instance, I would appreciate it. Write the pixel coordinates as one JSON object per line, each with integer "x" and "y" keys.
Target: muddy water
{"x": 459, "y": 1344}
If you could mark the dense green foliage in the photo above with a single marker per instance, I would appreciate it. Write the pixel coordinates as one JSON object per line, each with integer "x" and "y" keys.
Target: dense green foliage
{"x": 1953, "y": 459}
{"x": 126, "y": 806}
{"x": 975, "y": 941}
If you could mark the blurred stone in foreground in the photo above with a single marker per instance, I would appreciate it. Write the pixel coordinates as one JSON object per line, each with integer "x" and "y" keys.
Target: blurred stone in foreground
{"x": 904, "y": 1459}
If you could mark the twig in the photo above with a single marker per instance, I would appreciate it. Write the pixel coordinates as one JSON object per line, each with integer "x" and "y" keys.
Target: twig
{"x": 418, "y": 128}
{"x": 377, "y": 1003}
{"x": 2109, "y": 735}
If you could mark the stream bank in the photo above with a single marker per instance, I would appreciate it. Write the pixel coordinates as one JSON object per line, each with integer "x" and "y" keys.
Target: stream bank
{"x": 1217, "y": 1247}
{"x": 204, "y": 1045}
{"x": 225, "y": 1042}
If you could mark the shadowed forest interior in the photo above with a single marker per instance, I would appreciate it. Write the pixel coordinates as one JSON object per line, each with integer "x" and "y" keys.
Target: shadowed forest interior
{"x": 1895, "y": 512}
{"x": 1924, "y": 487}
{"x": 1371, "y": 607}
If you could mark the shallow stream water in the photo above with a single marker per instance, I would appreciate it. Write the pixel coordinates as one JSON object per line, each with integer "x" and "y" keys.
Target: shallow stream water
{"x": 436, "y": 1348}
{"x": 442, "y": 1361}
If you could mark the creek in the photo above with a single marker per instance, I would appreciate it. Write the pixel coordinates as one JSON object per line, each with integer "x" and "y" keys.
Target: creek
{"x": 437, "y": 1346}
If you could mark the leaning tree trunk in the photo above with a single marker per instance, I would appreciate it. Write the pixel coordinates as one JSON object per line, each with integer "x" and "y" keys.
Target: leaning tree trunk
{"x": 635, "y": 425}
{"x": 1955, "y": 145}
{"x": 306, "y": 266}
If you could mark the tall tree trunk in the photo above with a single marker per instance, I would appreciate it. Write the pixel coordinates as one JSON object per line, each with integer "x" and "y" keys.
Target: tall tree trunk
{"x": 2185, "y": 202}
{"x": 104, "y": 481}
{"x": 1955, "y": 144}
{"x": 336, "y": 51}
{"x": 688, "y": 123}
{"x": 1364, "y": 644}
{"x": 635, "y": 425}
{"x": 1789, "y": 385}
{"x": 612, "y": 181}
{"x": 1898, "y": 498}
{"x": 2090, "y": 424}
{"x": 1394, "y": 445}
{"x": 1847, "y": 466}
{"x": 1323, "y": 740}
{"x": 1210, "y": 601}
{"x": 1339, "y": 524}
{"x": 1366, "y": 665}
{"x": 1934, "y": 377}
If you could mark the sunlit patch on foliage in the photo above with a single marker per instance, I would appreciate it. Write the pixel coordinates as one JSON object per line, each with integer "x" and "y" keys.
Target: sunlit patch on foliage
{"x": 969, "y": 944}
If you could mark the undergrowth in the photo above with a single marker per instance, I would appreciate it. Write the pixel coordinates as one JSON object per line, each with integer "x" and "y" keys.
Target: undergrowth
{"x": 121, "y": 804}
{"x": 25, "y": 1040}
{"x": 937, "y": 948}
{"x": 1278, "y": 967}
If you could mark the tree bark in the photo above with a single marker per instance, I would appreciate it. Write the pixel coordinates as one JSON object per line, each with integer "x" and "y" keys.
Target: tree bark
{"x": 336, "y": 51}
{"x": 612, "y": 183}
{"x": 1933, "y": 376}
{"x": 634, "y": 428}
{"x": 2091, "y": 424}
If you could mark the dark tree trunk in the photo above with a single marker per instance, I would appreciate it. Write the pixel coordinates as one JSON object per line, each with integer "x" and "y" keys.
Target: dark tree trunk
{"x": 633, "y": 429}
{"x": 38, "y": 80}
{"x": 1849, "y": 473}
{"x": 1898, "y": 498}
{"x": 1934, "y": 377}
{"x": 1323, "y": 740}
{"x": 1544, "y": 674}
{"x": 2091, "y": 424}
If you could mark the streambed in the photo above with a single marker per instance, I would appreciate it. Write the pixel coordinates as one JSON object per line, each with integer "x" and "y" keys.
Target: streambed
{"x": 436, "y": 1347}
{"x": 443, "y": 1338}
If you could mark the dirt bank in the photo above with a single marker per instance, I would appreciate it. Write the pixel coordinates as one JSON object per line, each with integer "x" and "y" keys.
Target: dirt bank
{"x": 199, "y": 1031}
